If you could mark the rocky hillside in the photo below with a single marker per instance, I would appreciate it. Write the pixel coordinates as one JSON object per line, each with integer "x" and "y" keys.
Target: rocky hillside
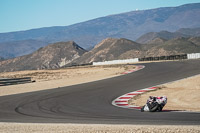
{"x": 110, "y": 49}
{"x": 189, "y": 31}
{"x": 130, "y": 25}
{"x": 195, "y": 40}
{"x": 180, "y": 45}
{"x": 186, "y": 32}
{"x": 50, "y": 57}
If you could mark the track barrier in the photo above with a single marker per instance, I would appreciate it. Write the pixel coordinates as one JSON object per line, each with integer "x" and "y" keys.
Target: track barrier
{"x": 14, "y": 81}
{"x": 116, "y": 62}
{"x": 193, "y": 56}
{"x": 159, "y": 58}
{"x": 171, "y": 57}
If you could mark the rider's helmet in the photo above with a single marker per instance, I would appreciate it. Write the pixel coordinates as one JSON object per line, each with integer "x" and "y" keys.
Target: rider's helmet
{"x": 150, "y": 97}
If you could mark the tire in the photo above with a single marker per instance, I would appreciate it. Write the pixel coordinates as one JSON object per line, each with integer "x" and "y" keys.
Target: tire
{"x": 154, "y": 107}
{"x": 160, "y": 108}
{"x": 142, "y": 109}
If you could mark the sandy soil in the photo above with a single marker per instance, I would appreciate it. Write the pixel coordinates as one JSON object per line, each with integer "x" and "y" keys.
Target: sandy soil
{"x": 179, "y": 93}
{"x": 92, "y": 128}
{"x": 48, "y": 79}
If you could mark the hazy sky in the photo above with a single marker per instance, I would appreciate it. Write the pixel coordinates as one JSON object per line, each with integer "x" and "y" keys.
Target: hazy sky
{"x": 16, "y": 15}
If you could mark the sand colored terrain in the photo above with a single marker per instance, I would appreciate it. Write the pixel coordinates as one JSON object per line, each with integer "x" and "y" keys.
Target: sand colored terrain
{"x": 93, "y": 128}
{"x": 182, "y": 95}
{"x": 49, "y": 79}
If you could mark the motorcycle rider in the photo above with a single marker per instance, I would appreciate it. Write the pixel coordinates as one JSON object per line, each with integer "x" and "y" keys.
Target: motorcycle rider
{"x": 154, "y": 104}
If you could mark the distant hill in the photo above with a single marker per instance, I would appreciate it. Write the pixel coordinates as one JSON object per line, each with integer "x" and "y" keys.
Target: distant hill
{"x": 183, "y": 45}
{"x": 50, "y": 57}
{"x": 195, "y": 40}
{"x": 1, "y": 58}
{"x": 175, "y": 46}
{"x": 156, "y": 41}
{"x": 19, "y": 48}
{"x": 109, "y": 49}
{"x": 189, "y": 31}
{"x": 186, "y": 32}
{"x": 130, "y": 25}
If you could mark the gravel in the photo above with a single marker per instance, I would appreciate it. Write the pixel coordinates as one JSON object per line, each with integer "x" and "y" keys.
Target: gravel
{"x": 93, "y": 128}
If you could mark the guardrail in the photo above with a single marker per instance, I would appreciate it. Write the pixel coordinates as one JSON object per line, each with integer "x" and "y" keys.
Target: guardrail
{"x": 171, "y": 57}
{"x": 75, "y": 64}
{"x": 14, "y": 81}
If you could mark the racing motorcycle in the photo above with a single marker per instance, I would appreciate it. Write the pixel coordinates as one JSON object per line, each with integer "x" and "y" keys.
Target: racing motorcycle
{"x": 154, "y": 104}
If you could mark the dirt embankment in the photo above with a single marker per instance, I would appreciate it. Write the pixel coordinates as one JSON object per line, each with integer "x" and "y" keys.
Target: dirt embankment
{"x": 182, "y": 95}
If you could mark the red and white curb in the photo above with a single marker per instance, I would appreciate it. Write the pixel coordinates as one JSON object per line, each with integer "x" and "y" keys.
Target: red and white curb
{"x": 123, "y": 100}
{"x": 139, "y": 67}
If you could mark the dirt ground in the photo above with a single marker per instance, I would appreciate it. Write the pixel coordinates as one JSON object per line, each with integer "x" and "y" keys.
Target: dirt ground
{"x": 179, "y": 94}
{"x": 93, "y": 128}
{"x": 49, "y": 79}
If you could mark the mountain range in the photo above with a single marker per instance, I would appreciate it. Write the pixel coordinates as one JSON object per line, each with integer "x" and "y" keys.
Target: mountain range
{"x": 130, "y": 25}
{"x": 63, "y": 54}
{"x": 184, "y": 32}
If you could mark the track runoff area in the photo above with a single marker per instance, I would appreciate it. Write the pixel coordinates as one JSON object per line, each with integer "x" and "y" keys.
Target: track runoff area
{"x": 93, "y": 102}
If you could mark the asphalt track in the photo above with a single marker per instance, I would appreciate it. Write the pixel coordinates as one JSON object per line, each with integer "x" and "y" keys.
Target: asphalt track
{"x": 91, "y": 102}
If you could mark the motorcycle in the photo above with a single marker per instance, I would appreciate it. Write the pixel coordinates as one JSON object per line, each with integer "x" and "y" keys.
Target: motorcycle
{"x": 154, "y": 104}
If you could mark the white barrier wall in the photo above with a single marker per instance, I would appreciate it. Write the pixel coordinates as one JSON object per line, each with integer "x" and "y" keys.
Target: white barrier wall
{"x": 189, "y": 56}
{"x": 193, "y": 56}
{"x": 116, "y": 62}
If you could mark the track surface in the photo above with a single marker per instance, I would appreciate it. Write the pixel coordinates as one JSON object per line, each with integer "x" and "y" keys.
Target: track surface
{"x": 91, "y": 102}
